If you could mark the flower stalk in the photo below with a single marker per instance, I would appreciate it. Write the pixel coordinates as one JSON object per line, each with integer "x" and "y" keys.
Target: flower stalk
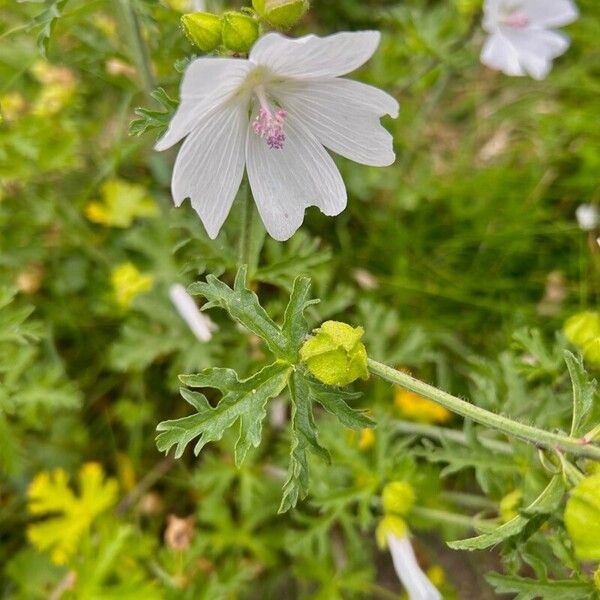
{"x": 538, "y": 437}
{"x": 245, "y": 248}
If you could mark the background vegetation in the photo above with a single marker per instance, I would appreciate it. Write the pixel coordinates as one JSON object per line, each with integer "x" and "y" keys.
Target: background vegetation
{"x": 461, "y": 261}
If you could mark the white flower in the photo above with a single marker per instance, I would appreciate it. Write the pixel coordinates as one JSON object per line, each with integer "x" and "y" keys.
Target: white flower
{"x": 407, "y": 568}
{"x": 587, "y": 217}
{"x": 521, "y": 40}
{"x": 200, "y": 325}
{"x": 272, "y": 114}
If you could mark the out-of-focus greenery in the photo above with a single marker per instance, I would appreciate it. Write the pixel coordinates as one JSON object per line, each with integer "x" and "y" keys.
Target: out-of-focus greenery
{"x": 461, "y": 262}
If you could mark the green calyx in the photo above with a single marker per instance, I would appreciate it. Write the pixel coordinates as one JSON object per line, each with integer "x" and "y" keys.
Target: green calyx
{"x": 582, "y": 518}
{"x": 398, "y": 497}
{"x": 204, "y": 30}
{"x": 335, "y": 355}
{"x": 583, "y": 331}
{"x": 281, "y": 13}
{"x": 239, "y": 31}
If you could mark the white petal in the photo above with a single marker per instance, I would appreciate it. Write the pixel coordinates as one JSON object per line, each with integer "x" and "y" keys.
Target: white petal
{"x": 491, "y": 14}
{"x": 210, "y": 165}
{"x": 207, "y": 83}
{"x": 550, "y": 13}
{"x": 410, "y": 574}
{"x": 200, "y": 325}
{"x": 344, "y": 116}
{"x": 587, "y": 216}
{"x": 285, "y": 182}
{"x": 313, "y": 57}
{"x": 536, "y": 48}
{"x": 499, "y": 54}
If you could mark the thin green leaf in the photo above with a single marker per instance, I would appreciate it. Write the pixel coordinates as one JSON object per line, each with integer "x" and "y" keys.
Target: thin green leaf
{"x": 335, "y": 401}
{"x": 294, "y": 322}
{"x": 531, "y": 589}
{"x": 543, "y": 505}
{"x": 152, "y": 119}
{"x": 243, "y": 306}
{"x": 304, "y": 437}
{"x": 46, "y": 20}
{"x": 584, "y": 390}
{"x": 244, "y": 400}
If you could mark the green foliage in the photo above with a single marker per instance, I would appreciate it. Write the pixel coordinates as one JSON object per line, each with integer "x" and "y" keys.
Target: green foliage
{"x": 246, "y": 400}
{"x": 463, "y": 262}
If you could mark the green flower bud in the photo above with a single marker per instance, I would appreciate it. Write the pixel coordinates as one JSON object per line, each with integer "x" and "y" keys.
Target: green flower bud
{"x": 583, "y": 328}
{"x": 398, "y": 497}
{"x": 240, "y": 31}
{"x": 335, "y": 355}
{"x": 390, "y": 524}
{"x": 591, "y": 352}
{"x": 203, "y": 30}
{"x": 281, "y": 13}
{"x": 582, "y": 518}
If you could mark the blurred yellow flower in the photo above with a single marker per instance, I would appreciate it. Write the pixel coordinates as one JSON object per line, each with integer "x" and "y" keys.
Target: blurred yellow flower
{"x": 12, "y": 105}
{"x": 58, "y": 83}
{"x": 366, "y": 439}
{"x": 128, "y": 283}
{"x": 416, "y": 408}
{"x": 436, "y": 575}
{"x": 121, "y": 203}
{"x": 72, "y": 516}
{"x": 509, "y": 505}
{"x": 106, "y": 24}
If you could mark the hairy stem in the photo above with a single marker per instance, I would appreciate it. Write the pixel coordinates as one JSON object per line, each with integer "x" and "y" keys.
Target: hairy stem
{"x": 538, "y": 437}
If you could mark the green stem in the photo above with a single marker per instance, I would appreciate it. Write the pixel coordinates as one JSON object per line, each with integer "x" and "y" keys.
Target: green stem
{"x": 538, "y": 437}
{"x": 444, "y": 516}
{"x": 246, "y": 231}
{"x": 133, "y": 31}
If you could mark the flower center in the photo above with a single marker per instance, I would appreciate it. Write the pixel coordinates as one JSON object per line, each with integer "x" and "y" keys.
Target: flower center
{"x": 269, "y": 123}
{"x": 517, "y": 20}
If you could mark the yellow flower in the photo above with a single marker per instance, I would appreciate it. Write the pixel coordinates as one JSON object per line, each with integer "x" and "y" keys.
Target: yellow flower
{"x": 510, "y": 504}
{"x": 12, "y": 105}
{"x": 128, "y": 283}
{"x": 72, "y": 516}
{"x": 121, "y": 203}
{"x": 416, "y": 408}
{"x": 367, "y": 439}
{"x": 58, "y": 83}
{"x": 436, "y": 575}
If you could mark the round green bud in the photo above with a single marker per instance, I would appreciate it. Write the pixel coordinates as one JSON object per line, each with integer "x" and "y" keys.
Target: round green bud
{"x": 203, "y": 30}
{"x": 240, "y": 31}
{"x": 582, "y": 328}
{"x": 335, "y": 355}
{"x": 582, "y": 518}
{"x": 390, "y": 525}
{"x": 281, "y": 13}
{"x": 398, "y": 497}
{"x": 591, "y": 352}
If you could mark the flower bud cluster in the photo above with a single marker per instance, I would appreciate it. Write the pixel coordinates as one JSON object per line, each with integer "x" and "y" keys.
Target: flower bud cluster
{"x": 238, "y": 31}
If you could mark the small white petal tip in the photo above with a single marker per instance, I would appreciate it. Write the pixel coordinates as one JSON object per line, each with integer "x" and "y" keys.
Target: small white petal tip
{"x": 200, "y": 325}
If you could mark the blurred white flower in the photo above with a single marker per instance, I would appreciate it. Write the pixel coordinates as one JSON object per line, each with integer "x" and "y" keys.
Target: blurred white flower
{"x": 408, "y": 570}
{"x": 200, "y": 325}
{"x": 272, "y": 114}
{"x": 521, "y": 40}
{"x": 587, "y": 216}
